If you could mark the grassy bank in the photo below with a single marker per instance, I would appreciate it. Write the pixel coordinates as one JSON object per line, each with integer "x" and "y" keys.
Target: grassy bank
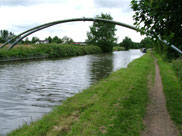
{"x": 173, "y": 91}
{"x": 47, "y": 51}
{"x": 118, "y": 48}
{"x": 114, "y": 106}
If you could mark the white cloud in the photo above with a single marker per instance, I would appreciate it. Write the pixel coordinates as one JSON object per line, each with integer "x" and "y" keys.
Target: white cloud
{"x": 20, "y": 15}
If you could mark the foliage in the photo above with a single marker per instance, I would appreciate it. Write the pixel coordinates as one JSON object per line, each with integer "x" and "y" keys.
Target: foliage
{"x": 67, "y": 40}
{"x": 118, "y": 48}
{"x": 114, "y": 106}
{"x": 147, "y": 42}
{"x": 34, "y": 40}
{"x": 160, "y": 18}
{"x": 27, "y": 41}
{"x": 5, "y": 35}
{"x": 56, "y": 39}
{"x": 177, "y": 66}
{"x": 102, "y": 34}
{"x": 127, "y": 43}
{"x": 173, "y": 91}
{"x": 48, "y": 50}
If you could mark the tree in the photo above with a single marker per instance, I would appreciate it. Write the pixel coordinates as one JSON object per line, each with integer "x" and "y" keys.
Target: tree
{"x": 160, "y": 18}
{"x": 56, "y": 39}
{"x": 67, "y": 40}
{"x": 5, "y": 35}
{"x": 49, "y": 39}
{"x": 127, "y": 43}
{"x": 27, "y": 41}
{"x": 1, "y": 40}
{"x": 34, "y": 40}
{"x": 102, "y": 34}
{"x": 146, "y": 43}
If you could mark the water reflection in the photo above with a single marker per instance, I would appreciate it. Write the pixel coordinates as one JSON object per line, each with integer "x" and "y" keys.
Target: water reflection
{"x": 30, "y": 89}
{"x": 100, "y": 66}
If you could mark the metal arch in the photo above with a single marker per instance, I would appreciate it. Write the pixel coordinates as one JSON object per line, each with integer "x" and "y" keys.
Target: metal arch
{"x": 40, "y": 27}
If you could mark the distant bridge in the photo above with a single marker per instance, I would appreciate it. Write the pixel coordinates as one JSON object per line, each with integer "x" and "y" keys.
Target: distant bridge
{"x": 26, "y": 33}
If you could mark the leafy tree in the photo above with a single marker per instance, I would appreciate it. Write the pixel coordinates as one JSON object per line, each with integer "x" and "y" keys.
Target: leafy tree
{"x": 159, "y": 18}
{"x": 34, "y": 40}
{"x": 102, "y": 34}
{"x": 27, "y": 41}
{"x": 127, "y": 43}
{"x": 49, "y": 39}
{"x": 1, "y": 40}
{"x": 56, "y": 39}
{"x": 5, "y": 35}
{"x": 67, "y": 40}
{"x": 146, "y": 43}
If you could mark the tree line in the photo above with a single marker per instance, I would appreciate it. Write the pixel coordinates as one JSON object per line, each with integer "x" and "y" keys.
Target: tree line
{"x": 55, "y": 39}
{"x": 5, "y": 35}
{"x": 127, "y": 43}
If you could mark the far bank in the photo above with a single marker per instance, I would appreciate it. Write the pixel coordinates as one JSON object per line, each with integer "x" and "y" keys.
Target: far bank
{"x": 42, "y": 51}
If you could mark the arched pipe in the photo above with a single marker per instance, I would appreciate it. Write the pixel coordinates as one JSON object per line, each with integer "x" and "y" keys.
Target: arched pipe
{"x": 27, "y": 34}
{"x": 65, "y": 21}
{"x": 40, "y": 27}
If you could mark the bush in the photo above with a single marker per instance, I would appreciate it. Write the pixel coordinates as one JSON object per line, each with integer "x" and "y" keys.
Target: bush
{"x": 49, "y": 50}
{"x": 177, "y": 66}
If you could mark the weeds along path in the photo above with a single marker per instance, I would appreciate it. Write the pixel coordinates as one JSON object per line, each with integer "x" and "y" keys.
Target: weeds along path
{"x": 157, "y": 120}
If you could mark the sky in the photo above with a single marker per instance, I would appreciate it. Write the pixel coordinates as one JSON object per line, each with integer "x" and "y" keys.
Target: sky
{"x": 20, "y": 15}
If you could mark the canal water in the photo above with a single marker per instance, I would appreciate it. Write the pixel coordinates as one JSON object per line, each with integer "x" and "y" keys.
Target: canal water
{"x": 30, "y": 89}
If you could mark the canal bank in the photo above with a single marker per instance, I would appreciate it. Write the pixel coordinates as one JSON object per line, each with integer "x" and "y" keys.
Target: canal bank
{"x": 43, "y": 51}
{"x": 30, "y": 89}
{"x": 114, "y": 106}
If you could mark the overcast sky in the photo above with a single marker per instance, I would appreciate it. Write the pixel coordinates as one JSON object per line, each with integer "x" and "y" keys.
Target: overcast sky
{"x": 20, "y": 15}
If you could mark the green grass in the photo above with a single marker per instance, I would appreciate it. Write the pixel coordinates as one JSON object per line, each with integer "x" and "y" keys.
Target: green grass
{"x": 48, "y": 50}
{"x": 173, "y": 92}
{"x": 177, "y": 66}
{"x": 115, "y": 106}
{"x": 118, "y": 48}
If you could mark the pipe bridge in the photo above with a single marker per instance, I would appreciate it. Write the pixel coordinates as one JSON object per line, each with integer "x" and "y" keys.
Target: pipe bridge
{"x": 28, "y": 32}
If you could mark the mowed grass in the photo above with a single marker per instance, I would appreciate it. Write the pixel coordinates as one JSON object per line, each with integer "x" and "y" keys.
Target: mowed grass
{"x": 173, "y": 92}
{"x": 115, "y": 106}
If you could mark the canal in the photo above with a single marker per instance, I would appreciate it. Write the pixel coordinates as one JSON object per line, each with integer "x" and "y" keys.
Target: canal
{"x": 30, "y": 89}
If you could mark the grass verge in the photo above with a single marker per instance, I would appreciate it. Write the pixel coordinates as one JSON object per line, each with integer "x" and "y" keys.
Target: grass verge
{"x": 173, "y": 92}
{"x": 118, "y": 48}
{"x": 47, "y": 51}
{"x": 114, "y": 106}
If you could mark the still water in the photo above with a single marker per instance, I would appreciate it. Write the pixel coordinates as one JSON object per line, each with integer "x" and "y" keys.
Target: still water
{"x": 30, "y": 89}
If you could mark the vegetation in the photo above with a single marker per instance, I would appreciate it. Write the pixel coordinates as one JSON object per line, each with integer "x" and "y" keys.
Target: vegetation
{"x": 114, "y": 106}
{"x": 173, "y": 91}
{"x": 48, "y": 50}
{"x": 102, "y": 34}
{"x": 177, "y": 66}
{"x": 118, "y": 48}
{"x": 127, "y": 43}
{"x": 160, "y": 19}
{"x": 5, "y": 35}
{"x": 55, "y": 39}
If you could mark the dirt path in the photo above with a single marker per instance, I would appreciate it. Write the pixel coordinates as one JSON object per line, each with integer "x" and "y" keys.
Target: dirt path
{"x": 157, "y": 120}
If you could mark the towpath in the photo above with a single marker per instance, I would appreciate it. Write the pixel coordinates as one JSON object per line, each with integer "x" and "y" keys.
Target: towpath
{"x": 157, "y": 121}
